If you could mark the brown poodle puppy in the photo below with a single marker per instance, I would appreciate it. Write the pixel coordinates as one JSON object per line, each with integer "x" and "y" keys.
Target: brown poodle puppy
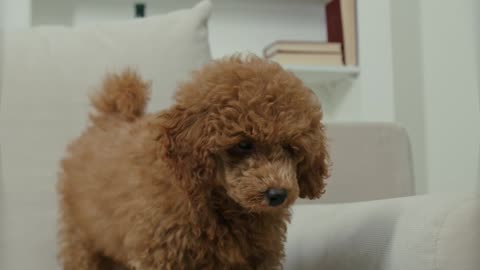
{"x": 206, "y": 184}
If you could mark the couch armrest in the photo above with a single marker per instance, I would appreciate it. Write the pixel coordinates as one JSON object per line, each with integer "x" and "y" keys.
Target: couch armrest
{"x": 440, "y": 232}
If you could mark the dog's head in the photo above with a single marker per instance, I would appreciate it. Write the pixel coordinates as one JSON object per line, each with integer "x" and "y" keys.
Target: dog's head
{"x": 251, "y": 129}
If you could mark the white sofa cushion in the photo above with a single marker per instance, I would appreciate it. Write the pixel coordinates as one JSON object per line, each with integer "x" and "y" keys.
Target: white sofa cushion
{"x": 46, "y": 74}
{"x": 440, "y": 232}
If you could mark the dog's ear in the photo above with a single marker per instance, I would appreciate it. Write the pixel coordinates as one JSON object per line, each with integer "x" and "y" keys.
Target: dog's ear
{"x": 186, "y": 143}
{"x": 314, "y": 168}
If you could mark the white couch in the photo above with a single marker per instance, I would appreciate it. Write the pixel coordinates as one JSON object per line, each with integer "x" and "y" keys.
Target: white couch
{"x": 45, "y": 77}
{"x": 438, "y": 232}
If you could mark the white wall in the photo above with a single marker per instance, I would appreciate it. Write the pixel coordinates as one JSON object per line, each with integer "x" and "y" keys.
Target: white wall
{"x": 476, "y": 14}
{"x": 370, "y": 97}
{"x": 2, "y": 203}
{"x": 376, "y": 61}
{"x": 2, "y": 9}
{"x": 52, "y": 12}
{"x": 436, "y": 78}
{"x": 16, "y": 14}
{"x": 239, "y": 27}
{"x": 451, "y": 90}
{"x": 408, "y": 82}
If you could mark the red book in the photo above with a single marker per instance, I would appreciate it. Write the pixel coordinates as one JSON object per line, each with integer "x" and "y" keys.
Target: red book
{"x": 342, "y": 27}
{"x": 334, "y": 22}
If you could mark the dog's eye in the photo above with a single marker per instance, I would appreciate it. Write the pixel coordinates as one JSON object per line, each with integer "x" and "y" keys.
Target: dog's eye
{"x": 242, "y": 149}
{"x": 293, "y": 151}
{"x": 246, "y": 146}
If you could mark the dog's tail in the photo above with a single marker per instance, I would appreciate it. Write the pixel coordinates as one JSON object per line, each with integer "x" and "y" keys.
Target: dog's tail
{"x": 123, "y": 96}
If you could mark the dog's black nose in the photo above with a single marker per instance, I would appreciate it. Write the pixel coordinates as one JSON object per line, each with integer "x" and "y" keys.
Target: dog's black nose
{"x": 276, "y": 196}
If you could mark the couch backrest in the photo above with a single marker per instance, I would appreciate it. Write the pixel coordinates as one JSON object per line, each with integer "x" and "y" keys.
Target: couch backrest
{"x": 370, "y": 161}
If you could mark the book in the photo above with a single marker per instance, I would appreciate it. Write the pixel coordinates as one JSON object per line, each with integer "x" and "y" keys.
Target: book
{"x": 292, "y": 58}
{"x": 302, "y": 46}
{"x": 342, "y": 27}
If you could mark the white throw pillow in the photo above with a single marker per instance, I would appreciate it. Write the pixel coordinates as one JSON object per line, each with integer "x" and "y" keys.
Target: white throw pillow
{"x": 46, "y": 76}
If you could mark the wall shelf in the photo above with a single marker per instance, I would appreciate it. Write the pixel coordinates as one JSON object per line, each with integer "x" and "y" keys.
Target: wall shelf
{"x": 324, "y": 75}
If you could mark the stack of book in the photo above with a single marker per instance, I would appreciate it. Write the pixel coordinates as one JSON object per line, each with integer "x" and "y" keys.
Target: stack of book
{"x": 305, "y": 53}
{"x": 340, "y": 48}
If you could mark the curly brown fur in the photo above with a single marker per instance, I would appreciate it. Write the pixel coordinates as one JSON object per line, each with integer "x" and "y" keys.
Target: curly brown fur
{"x": 185, "y": 188}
